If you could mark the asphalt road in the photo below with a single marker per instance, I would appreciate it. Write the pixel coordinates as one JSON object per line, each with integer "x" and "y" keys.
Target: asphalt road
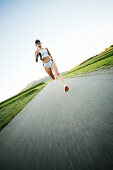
{"x": 63, "y": 131}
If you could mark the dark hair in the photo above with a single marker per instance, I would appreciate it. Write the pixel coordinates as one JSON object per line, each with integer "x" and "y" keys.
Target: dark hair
{"x": 36, "y": 41}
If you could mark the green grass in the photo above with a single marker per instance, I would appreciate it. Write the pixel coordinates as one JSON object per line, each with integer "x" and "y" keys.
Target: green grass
{"x": 12, "y": 106}
{"x": 104, "y": 60}
{"x": 10, "y": 99}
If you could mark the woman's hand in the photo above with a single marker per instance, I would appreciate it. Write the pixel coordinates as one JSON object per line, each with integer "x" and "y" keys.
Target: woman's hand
{"x": 36, "y": 55}
{"x": 36, "y": 59}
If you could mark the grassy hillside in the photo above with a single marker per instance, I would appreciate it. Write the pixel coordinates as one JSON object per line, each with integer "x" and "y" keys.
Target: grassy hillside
{"x": 44, "y": 79}
{"x": 12, "y": 106}
{"x": 102, "y": 60}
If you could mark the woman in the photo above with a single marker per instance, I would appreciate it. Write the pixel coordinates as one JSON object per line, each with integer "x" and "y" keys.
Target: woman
{"x": 48, "y": 62}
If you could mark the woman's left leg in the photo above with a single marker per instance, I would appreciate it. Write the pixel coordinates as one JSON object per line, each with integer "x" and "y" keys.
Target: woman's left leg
{"x": 55, "y": 69}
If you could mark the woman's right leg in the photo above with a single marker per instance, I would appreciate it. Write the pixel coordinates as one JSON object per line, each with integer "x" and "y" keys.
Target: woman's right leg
{"x": 49, "y": 71}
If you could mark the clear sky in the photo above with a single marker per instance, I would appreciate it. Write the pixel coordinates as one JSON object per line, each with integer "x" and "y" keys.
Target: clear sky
{"x": 72, "y": 30}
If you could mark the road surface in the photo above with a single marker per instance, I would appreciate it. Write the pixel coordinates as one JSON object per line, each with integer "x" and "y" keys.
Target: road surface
{"x": 60, "y": 130}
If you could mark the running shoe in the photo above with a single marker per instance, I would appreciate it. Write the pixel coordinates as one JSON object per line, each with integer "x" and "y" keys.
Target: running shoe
{"x": 66, "y": 88}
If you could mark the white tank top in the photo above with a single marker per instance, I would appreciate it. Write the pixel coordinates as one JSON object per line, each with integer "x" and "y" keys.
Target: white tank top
{"x": 44, "y": 53}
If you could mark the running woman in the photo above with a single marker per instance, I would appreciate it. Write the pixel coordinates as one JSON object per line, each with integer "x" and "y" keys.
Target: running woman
{"x": 48, "y": 63}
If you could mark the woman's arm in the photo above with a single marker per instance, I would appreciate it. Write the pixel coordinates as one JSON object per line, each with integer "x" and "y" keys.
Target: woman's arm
{"x": 36, "y": 55}
{"x": 49, "y": 53}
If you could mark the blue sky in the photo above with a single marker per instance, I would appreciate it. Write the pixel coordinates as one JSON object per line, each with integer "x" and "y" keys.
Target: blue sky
{"x": 72, "y": 31}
